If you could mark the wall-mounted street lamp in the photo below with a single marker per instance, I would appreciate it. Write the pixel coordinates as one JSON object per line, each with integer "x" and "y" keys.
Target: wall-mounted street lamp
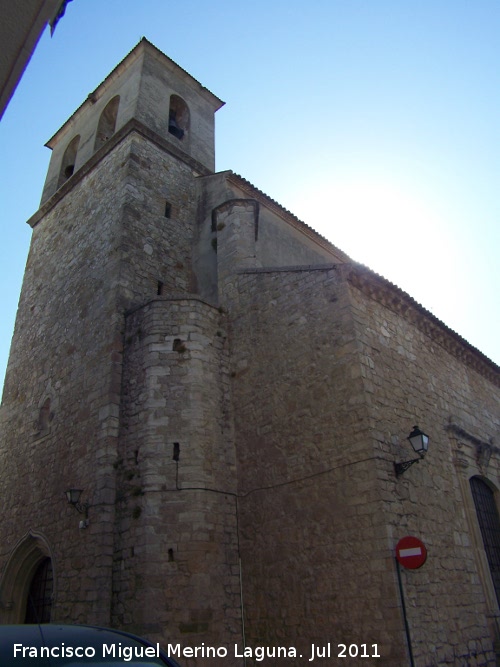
{"x": 73, "y": 497}
{"x": 420, "y": 443}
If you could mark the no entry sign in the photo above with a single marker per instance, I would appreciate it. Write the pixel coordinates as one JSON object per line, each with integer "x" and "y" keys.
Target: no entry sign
{"x": 411, "y": 552}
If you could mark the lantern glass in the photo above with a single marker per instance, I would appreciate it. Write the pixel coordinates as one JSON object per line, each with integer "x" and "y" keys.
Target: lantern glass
{"x": 419, "y": 441}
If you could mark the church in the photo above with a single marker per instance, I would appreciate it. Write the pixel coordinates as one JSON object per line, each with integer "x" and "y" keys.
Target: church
{"x": 204, "y": 430}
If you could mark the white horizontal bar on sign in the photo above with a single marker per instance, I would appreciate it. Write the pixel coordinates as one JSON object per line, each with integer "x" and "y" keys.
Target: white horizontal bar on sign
{"x": 406, "y": 553}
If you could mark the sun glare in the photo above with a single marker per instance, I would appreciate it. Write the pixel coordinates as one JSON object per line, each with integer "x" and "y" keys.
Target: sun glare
{"x": 391, "y": 231}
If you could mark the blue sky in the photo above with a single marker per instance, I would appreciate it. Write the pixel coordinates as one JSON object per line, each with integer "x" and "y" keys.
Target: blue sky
{"x": 374, "y": 121}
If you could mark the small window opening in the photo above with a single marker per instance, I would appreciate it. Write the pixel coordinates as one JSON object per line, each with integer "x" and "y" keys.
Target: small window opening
{"x": 178, "y": 345}
{"x": 170, "y": 555}
{"x": 107, "y": 123}
{"x": 177, "y": 449}
{"x": 178, "y": 117}
{"x": 44, "y": 418}
{"x": 168, "y": 209}
{"x": 159, "y": 289}
{"x": 68, "y": 161}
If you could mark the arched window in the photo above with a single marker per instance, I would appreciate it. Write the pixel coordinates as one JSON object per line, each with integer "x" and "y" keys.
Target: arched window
{"x": 39, "y": 602}
{"x": 68, "y": 161}
{"x": 107, "y": 123}
{"x": 178, "y": 117}
{"x": 44, "y": 417}
{"x": 489, "y": 524}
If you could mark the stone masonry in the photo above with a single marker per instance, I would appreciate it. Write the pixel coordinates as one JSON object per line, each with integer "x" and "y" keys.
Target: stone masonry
{"x": 231, "y": 392}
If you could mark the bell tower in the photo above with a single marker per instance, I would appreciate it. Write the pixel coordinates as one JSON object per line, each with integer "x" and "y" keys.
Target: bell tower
{"x": 146, "y": 90}
{"x": 117, "y": 378}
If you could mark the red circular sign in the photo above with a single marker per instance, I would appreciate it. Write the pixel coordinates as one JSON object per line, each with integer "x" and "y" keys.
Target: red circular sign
{"x": 411, "y": 552}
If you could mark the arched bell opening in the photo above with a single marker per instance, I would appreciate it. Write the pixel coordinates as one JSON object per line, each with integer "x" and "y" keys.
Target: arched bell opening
{"x": 178, "y": 117}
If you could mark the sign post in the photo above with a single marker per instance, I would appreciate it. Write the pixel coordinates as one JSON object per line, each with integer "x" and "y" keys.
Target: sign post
{"x": 411, "y": 554}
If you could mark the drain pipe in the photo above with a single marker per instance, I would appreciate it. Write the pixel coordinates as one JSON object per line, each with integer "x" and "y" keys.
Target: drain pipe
{"x": 242, "y": 617}
{"x": 242, "y": 606}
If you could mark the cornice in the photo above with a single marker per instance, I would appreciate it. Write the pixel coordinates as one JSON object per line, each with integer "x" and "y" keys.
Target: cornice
{"x": 462, "y": 433}
{"x": 133, "y": 125}
{"x": 392, "y": 297}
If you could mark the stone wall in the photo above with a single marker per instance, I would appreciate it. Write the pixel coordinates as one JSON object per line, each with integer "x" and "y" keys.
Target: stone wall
{"x": 240, "y": 227}
{"x": 156, "y": 249}
{"x": 317, "y": 566}
{"x": 411, "y": 374}
{"x": 59, "y": 415}
{"x": 100, "y": 246}
{"x": 329, "y": 377}
{"x": 176, "y": 575}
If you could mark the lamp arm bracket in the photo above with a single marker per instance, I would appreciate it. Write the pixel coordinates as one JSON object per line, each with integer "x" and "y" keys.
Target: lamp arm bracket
{"x": 83, "y": 508}
{"x": 400, "y": 468}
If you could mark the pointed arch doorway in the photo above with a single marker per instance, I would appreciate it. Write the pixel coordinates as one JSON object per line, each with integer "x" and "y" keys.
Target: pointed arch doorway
{"x": 39, "y": 601}
{"x": 27, "y": 584}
